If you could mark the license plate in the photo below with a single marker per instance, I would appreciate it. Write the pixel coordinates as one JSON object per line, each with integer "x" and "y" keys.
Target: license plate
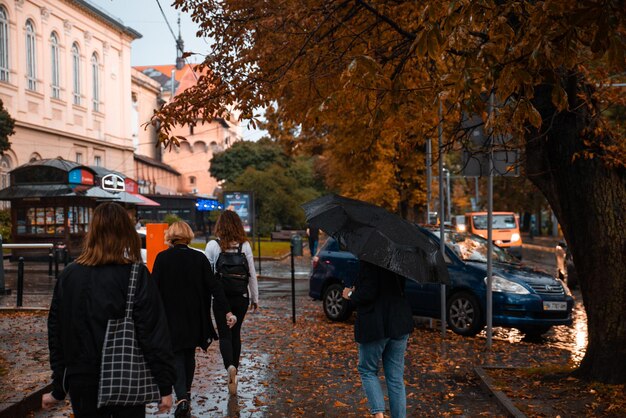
{"x": 554, "y": 306}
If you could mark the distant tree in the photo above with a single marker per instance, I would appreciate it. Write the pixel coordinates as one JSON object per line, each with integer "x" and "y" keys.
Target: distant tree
{"x": 232, "y": 162}
{"x": 7, "y": 125}
{"x": 278, "y": 196}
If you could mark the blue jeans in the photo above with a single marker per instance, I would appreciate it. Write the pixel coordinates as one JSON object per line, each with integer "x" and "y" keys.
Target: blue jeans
{"x": 392, "y": 353}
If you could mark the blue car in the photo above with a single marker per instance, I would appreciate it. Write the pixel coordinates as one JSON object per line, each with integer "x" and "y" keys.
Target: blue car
{"x": 523, "y": 298}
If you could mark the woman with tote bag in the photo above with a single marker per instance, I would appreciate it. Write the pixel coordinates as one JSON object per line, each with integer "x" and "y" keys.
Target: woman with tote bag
{"x": 90, "y": 292}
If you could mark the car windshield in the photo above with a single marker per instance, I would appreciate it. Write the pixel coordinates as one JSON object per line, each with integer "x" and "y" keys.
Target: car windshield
{"x": 498, "y": 221}
{"x": 470, "y": 247}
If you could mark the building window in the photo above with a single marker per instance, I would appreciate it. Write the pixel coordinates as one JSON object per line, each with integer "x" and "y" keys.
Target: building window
{"x": 5, "y": 178}
{"x": 4, "y": 44}
{"x": 97, "y": 161}
{"x": 192, "y": 180}
{"x": 79, "y": 158}
{"x": 76, "y": 73}
{"x": 95, "y": 81}
{"x": 54, "y": 54}
{"x": 31, "y": 56}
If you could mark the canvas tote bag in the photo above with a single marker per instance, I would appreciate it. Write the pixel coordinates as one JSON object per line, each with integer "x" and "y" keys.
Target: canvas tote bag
{"x": 125, "y": 378}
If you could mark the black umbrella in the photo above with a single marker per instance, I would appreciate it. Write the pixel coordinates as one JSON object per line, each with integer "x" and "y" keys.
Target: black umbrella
{"x": 380, "y": 237}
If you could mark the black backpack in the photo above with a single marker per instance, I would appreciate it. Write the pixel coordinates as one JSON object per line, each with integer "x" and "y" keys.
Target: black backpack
{"x": 232, "y": 270}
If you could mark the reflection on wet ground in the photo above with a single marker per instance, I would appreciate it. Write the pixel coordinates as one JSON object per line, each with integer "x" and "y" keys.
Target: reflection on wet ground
{"x": 572, "y": 338}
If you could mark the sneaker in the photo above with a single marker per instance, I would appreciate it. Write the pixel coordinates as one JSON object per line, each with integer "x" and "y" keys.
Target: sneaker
{"x": 232, "y": 380}
{"x": 183, "y": 410}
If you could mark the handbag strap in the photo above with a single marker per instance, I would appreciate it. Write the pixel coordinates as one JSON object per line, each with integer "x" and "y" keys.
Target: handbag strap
{"x": 132, "y": 286}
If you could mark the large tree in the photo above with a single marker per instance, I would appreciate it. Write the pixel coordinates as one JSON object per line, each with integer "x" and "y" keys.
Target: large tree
{"x": 368, "y": 76}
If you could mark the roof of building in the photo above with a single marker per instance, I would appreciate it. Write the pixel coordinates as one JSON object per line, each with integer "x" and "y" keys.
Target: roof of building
{"x": 155, "y": 163}
{"x": 183, "y": 78}
{"x": 115, "y": 22}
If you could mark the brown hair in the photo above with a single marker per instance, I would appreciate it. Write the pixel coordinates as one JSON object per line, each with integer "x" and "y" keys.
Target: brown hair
{"x": 229, "y": 228}
{"x": 179, "y": 233}
{"x": 111, "y": 239}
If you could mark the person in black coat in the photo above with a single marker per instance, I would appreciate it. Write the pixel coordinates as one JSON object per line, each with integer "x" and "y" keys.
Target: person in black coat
{"x": 87, "y": 294}
{"x": 186, "y": 282}
{"x": 382, "y": 327}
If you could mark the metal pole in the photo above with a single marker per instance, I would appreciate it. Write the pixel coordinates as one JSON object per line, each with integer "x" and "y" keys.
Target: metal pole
{"x": 258, "y": 235}
{"x": 448, "y": 196}
{"x": 50, "y": 259}
{"x": 3, "y": 290}
{"x": 429, "y": 179}
{"x": 293, "y": 288}
{"x": 490, "y": 230}
{"x": 20, "y": 281}
{"x": 442, "y": 235}
{"x": 477, "y": 192}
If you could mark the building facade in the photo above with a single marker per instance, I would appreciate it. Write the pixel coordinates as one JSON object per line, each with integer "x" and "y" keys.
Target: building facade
{"x": 65, "y": 77}
{"x": 192, "y": 158}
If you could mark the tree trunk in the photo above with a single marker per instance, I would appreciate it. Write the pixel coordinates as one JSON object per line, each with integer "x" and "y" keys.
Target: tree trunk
{"x": 589, "y": 200}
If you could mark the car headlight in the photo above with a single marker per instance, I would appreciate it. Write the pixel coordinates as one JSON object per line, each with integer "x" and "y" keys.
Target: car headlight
{"x": 500, "y": 284}
{"x": 514, "y": 237}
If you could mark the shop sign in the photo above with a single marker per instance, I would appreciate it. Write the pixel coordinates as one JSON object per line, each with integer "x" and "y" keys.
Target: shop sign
{"x": 131, "y": 185}
{"x": 113, "y": 183}
{"x": 81, "y": 176}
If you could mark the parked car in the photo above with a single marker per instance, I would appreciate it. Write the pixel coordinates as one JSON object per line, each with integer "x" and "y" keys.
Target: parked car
{"x": 565, "y": 268}
{"x": 523, "y": 298}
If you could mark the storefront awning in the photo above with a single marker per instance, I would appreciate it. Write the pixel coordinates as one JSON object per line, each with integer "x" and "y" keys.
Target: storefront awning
{"x": 146, "y": 201}
{"x": 35, "y": 190}
{"x": 134, "y": 199}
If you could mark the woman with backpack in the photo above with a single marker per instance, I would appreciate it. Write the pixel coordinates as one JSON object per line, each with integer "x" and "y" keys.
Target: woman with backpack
{"x": 232, "y": 261}
{"x": 186, "y": 284}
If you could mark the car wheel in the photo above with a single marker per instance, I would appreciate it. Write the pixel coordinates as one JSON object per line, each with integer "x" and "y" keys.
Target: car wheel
{"x": 535, "y": 331}
{"x": 335, "y": 306}
{"x": 464, "y": 314}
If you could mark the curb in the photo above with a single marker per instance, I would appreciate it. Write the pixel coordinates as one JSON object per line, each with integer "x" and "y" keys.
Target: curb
{"x": 13, "y": 309}
{"x": 21, "y": 408}
{"x": 503, "y": 401}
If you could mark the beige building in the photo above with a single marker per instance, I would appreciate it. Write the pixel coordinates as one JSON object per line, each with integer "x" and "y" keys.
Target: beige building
{"x": 65, "y": 77}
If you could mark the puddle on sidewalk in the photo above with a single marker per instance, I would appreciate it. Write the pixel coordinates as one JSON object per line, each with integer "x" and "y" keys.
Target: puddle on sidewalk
{"x": 210, "y": 396}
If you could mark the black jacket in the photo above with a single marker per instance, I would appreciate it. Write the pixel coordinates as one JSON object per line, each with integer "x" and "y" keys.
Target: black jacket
{"x": 382, "y": 309}
{"x": 84, "y": 299}
{"x": 186, "y": 282}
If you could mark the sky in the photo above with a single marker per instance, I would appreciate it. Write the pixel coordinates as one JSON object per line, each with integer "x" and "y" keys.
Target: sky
{"x": 157, "y": 45}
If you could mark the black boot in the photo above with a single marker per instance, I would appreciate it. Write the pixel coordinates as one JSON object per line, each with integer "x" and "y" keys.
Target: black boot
{"x": 183, "y": 409}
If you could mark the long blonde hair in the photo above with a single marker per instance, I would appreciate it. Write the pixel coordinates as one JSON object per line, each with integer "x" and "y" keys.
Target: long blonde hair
{"x": 111, "y": 239}
{"x": 229, "y": 229}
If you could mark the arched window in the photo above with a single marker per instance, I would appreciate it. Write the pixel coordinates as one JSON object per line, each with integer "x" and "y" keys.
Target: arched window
{"x": 5, "y": 178}
{"x": 4, "y": 44}
{"x": 31, "y": 56}
{"x": 95, "y": 82}
{"x": 54, "y": 54}
{"x": 76, "y": 73}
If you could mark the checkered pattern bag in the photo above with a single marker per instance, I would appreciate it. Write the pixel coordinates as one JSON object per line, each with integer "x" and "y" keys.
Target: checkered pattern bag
{"x": 125, "y": 378}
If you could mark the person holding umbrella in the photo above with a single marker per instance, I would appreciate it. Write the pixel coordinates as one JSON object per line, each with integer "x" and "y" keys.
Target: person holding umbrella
{"x": 382, "y": 327}
{"x": 390, "y": 250}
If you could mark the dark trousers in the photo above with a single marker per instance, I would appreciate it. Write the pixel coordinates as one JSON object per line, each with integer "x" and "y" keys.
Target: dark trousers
{"x": 84, "y": 396}
{"x": 185, "y": 364}
{"x": 230, "y": 338}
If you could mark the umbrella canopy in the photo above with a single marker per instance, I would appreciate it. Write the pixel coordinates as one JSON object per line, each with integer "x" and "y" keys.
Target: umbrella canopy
{"x": 380, "y": 237}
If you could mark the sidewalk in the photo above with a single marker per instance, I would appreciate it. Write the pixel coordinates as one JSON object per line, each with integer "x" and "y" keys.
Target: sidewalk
{"x": 307, "y": 369}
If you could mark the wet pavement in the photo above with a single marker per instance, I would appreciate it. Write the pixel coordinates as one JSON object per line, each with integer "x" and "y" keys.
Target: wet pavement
{"x": 258, "y": 369}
